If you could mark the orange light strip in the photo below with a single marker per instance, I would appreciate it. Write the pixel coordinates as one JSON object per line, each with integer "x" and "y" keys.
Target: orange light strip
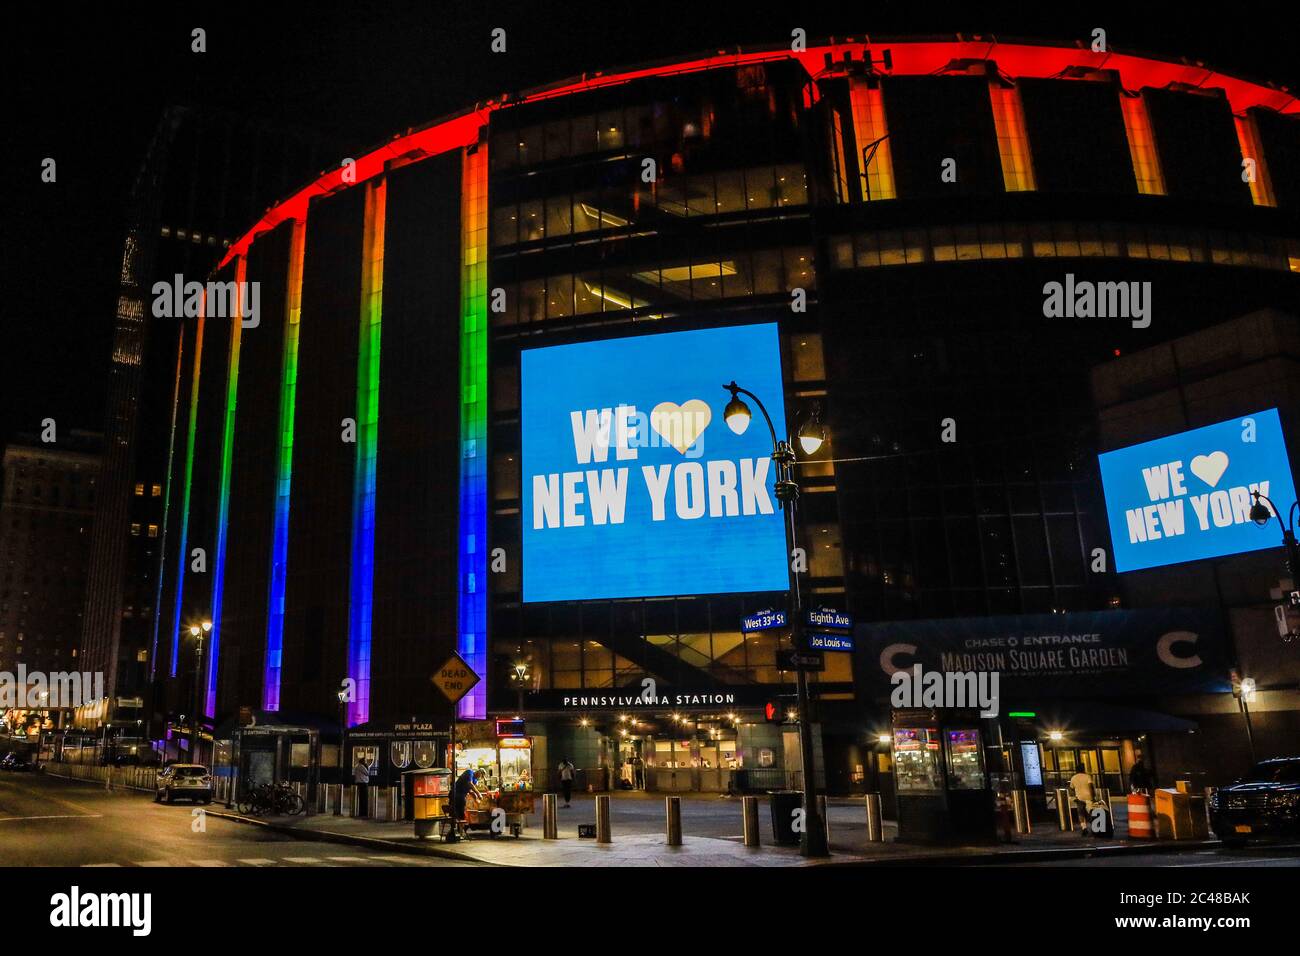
{"x": 1142, "y": 146}
{"x": 1261, "y": 185}
{"x": 871, "y": 129}
{"x": 1013, "y": 141}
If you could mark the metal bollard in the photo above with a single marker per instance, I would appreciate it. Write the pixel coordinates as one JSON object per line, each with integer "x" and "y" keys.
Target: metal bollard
{"x": 549, "y": 828}
{"x": 394, "y": 805}
{"x": 673, "y": 820}
{"x": 875, "y": 822}
{"x": 749, "y": 813}
{"x": 1020, "y": 806}
{"x": 336, "y": 802}
{"x": 602, "y": 819}
{"x": 1063, "y": 816}
{"x": 826, "y": 817}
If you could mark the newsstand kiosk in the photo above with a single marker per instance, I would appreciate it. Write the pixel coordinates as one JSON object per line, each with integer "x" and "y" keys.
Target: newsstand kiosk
{"x": 941, "y": 781}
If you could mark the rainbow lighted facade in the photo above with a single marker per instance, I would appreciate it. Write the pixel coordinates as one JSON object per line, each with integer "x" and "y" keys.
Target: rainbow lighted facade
{"x": 284, "y": 473}
{"x": 472, "y": 631}
{"x": 437, "y": 259}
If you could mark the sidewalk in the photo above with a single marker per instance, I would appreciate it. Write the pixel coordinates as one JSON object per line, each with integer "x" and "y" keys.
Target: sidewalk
{"x": 711, "y": 830}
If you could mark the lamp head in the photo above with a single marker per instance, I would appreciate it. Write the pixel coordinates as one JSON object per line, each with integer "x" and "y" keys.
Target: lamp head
{"x": 1259, "y": 512}
{"x": 736, "y": 413}
{"x": 812, "y": 435}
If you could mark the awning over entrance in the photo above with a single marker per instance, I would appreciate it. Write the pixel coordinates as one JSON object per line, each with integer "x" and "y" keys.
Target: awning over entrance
{"x": 1091, "y": 717}
{"x": 276, "y": 720}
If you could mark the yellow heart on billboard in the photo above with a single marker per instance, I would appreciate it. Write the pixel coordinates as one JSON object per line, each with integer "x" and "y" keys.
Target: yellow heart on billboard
{"x": 680, "y": 425}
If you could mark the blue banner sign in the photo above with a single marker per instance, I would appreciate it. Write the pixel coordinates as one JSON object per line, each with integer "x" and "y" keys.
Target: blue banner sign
{"x": 827, "y": 617}
{"x": 762, "y": 620}
{"x": 829, "y": 642}
{"x": 1087, "y": 654}
{"x": 1188, "y": 496}
{"x": 633, "y": 483}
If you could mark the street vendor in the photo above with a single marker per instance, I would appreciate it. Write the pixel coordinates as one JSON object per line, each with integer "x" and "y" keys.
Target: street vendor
{"x": 466, "y": 784}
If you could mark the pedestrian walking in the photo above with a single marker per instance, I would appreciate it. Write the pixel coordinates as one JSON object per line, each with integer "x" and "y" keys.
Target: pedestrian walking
{"x": 567, "y": 773}
{"x": 1081, "y": 787}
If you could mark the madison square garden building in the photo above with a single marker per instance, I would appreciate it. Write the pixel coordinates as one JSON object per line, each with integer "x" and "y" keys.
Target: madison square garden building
{"x": 481, "y": 408}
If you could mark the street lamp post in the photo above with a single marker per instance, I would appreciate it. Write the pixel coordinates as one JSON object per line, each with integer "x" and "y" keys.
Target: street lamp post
{"x": 812, "y": 842}
{"x": 198, "y": 632}
{"x": 1260, "y": 515}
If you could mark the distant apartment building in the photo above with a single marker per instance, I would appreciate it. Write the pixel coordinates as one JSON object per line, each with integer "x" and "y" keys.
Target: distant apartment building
{"x": 45, "y": 528}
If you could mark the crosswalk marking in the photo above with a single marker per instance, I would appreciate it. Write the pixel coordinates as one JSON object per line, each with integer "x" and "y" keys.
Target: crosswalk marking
{"x": 371, "y": 860}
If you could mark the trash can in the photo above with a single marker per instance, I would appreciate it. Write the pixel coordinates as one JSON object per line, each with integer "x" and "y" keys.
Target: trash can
{"x": 430, "y": 798}
{"x": 784, "y": 804}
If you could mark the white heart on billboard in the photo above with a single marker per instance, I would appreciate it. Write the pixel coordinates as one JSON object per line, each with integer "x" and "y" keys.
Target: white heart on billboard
{"x": 1210, "y": 468}
{"x": 681, "y": 424}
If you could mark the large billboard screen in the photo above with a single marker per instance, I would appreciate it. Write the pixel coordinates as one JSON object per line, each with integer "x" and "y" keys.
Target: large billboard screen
{"x": 633, "y": 484}
{"x": 1188, "y": 496}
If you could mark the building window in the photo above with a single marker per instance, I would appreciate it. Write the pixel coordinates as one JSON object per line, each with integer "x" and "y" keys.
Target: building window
{"x": 153, "y": 531}
{"x": 139, "y": 488}
{"x": 156, "y": 490}
{"x": 135, "y": 528}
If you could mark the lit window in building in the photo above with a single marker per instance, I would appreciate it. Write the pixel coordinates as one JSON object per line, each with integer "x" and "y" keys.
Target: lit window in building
{"x": 135, "y": 527}
{"x": 153, "y": 531}
{"x": 139, "y": 488}
{"x": 1142, "y": 146}
{"x": 156, "y": 490}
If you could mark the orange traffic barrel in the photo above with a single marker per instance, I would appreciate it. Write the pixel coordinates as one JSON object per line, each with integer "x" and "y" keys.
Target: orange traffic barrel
{"x": 1139, "y": 817}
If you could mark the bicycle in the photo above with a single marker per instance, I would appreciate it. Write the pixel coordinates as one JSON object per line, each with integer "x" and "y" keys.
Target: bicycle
{"x": 274, "y": 798}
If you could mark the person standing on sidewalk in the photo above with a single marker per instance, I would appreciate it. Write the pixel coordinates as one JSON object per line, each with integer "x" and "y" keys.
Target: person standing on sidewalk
{"x": 566, "y": 779}
{"x": 1139, "y": 778}
{"x": 361, "y": 777}
{"x": 1081, "y": 787}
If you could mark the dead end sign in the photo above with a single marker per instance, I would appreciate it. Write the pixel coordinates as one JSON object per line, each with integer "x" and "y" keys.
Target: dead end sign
{"x": 454, "y": 678}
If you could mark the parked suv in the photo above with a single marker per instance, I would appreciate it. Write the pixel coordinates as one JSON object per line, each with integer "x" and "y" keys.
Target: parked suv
{"x": 1263, "y": 803}
{"x": 186, "y": 781}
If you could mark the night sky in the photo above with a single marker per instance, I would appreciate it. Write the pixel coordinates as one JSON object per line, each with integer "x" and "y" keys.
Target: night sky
{"x": 86, "y": 85}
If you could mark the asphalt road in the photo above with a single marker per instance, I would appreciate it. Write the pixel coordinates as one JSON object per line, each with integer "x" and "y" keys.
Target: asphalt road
{"x": 1261, "y": 855}
{"x": 46, "y": 821}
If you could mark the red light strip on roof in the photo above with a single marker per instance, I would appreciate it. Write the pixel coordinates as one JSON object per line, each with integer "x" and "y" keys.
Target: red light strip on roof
{"x": 909, "y": 59}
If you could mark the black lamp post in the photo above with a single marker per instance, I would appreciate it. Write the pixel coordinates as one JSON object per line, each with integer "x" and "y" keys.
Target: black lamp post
{"x": 1260, "y": 513}
{"x": 812, "y": 842}
{"x": 198, "y": 632}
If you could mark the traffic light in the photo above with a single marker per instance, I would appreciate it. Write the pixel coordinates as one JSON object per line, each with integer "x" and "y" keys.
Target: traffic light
{"x": 772, "y": 712}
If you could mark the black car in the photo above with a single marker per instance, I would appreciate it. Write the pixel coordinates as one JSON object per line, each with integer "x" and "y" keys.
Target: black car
{"x": 15, "y": 761}
{"x": 1263, "y": 803}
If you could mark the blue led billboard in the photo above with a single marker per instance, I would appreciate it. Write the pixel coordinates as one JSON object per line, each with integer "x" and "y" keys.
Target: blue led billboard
{"x": 1188, "y": 496}
{"x": 633, "y": 484}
